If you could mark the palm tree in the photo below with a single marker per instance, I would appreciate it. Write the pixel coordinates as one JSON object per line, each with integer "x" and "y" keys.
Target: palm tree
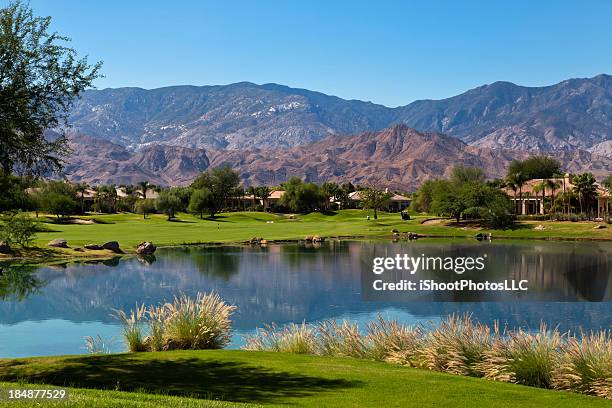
{"x": 263, "y": 192}
{"x": 510, "y": 184}
{"x": 552, "y": 184}
{"x": 518, "y": 179}
{"x": 144, "y": 186}
{"x": 585, "y": 189}
{"x": 540, "y": 188}
{"x": 81, "y": 189}
{"x": 252, "y": 191}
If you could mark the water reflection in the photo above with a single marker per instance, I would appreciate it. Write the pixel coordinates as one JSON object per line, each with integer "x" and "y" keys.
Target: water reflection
{"x": 283, "y": 283}
{"x": 16, "y": 283}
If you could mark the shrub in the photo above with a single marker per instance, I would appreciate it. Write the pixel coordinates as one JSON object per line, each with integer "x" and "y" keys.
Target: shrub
{"x": 523, "y": 358}
{"x": 586, "y": 365}
{"x": 18, "y": 228}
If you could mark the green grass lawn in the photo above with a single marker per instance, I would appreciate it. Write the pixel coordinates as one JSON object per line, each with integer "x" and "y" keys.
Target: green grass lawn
{"x": 227, "y": 378}
{"x": 130, "y": 229}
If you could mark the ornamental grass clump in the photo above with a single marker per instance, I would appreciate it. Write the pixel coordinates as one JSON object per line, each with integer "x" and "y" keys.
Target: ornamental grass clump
{"x": 586, "y": 365}
{"x": 389, "y": 340}
{"x": 340, "y": 339}
{"x": 456, "y": 346}
{"x": 185, "y": 323}
{"x": 200, "y": 323}
{"x": 133, "y": 328}
{"x": 292, "y": 338}
{"x": 524, "y": 358}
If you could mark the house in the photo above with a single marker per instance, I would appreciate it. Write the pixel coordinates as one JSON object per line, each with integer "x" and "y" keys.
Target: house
{"x": 529, "y": 199}
{"x": 395, "y": 203}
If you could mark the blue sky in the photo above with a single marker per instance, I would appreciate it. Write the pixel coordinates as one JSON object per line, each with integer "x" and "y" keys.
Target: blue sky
{"x": 388, "y": 52}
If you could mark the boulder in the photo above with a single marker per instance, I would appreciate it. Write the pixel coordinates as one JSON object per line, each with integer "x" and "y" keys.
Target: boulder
{"x": 58, "y": 243}
{"x": 112, "y": 246}
{"x": 539, "y": 227}
{"x": 145, "y": 248}
{"x": 93, "y": 247}
{"x": 599, "y": 227}
{"x": 263, "y": 242}
{"x": 78, "y": 249}
{"x": 5, "y": 248}
{"x": 318, "y": 238}
{"x": 255, "y": 241}
{"x": 308, "y": 238}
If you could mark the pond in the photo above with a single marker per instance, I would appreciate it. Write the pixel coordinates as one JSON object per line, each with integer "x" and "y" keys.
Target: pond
{"x": 48, "y": 310}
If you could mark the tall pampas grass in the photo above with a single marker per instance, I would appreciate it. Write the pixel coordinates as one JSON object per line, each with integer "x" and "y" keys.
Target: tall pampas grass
{"x": 457, "y": 346}
{"x": 586, "y": 365}
{"x": 340, "y": 339}
{"x": 185, "y": 323}
{"x": 524, "y": 358}
{"x": 133, "y": 328}
{"x": 292, "y": 338}
{"x": 389, "y": 340}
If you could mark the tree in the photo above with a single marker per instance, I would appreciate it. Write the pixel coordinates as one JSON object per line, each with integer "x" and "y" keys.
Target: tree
{"x": 58, "y": 197}
{"x": 424, "y": 197}
{"x": 40, "y": 77}
{"x": 535, "y": 167}
{"x": 517, "y": 179}
{"x": 144, "y": 207}
{"x": 585, "y": 189}
{"x": 553, "y": 186}
{"x": 330, "y": 191}
{"x": 168, "y": 203}
{"x": 607, "y": 182}
{"x": 223, "y": 183}
{"x": 263, "y": 192}
{"x": 201, "y": 200}
{"x": 541, "y": 188}
{"x": 448, "y": 200}
{"x": 300, "y": 196}
{"x": 462, "y": 174}
{"x": 374, "y": 199}
{"x": 252, "y": 191}
{"x": 18, "y": 228}
{"x": 81, "y": 189}
{"x": 144, "y": 187}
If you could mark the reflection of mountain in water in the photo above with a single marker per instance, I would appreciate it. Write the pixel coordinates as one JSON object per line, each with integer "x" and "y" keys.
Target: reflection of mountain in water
{"x": 291, "y": 282}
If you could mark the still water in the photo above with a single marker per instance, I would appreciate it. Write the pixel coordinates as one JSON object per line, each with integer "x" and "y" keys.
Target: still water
{"x": 48, "y": 310}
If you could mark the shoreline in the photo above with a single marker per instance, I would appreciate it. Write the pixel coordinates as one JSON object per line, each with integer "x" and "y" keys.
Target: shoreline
{"x": 59, "y": 256}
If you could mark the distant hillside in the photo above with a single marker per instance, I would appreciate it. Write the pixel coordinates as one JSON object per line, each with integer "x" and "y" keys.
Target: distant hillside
{"x": 573, "y": 114}
{"x": 398, "y": 157}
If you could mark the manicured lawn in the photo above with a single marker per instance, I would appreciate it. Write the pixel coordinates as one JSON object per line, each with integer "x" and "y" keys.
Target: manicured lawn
{"x": 193, "y": 378}
{"x": 130, "y": 229}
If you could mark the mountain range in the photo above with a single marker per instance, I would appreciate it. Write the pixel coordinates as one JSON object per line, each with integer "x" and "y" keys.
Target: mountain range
{"x": 398, "y": 157}
{"x": 272, "y": 131}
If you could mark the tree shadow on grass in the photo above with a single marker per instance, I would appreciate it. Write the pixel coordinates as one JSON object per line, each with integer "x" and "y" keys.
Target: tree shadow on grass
{"x": 193, "y": 377}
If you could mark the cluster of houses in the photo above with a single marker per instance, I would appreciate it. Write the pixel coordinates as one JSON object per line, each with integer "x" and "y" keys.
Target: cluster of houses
{"x": 535, "y": 192}
{"x": 395, "y": 203}
{"x": 530, "y": 201}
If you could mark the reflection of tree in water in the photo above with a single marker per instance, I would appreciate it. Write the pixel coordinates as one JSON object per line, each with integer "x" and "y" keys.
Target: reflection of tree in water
{"x": 215, "y": 262}
{"x": 16, "y": 283}
{"x": 589, "y": 275}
